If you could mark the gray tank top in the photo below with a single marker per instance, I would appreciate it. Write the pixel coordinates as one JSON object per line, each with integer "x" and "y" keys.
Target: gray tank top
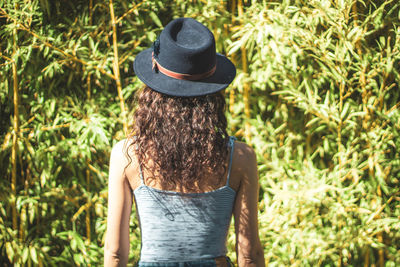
{"x": 184, "y": 226}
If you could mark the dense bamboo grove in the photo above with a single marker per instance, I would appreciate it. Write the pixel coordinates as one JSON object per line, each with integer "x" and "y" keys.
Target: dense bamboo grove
{"x": 317, "y": 95}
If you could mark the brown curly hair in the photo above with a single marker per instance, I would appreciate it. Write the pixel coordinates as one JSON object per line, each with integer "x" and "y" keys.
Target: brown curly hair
{"x": 185, "y": 138}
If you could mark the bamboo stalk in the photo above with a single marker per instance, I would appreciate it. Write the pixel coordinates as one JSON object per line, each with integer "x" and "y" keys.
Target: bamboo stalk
{"x": 23, "y": 215}
{"x": 6, "y": 141}
{"x": 92, "y": 168}
{"x": 355, "y": 17}
{"x": 233, "y": 8}
{"x": 29, "y": 120}
{"x": 339, "y": 128}
{"x": 6, "y": 58}
{"x": 87, "y": 220}
{"x": 130, "y": 52}
{"x": 246, "y": 100}
{"x": 128, "y": 12}
{"x": 232, "y": 92}
{"x": 38, "y": 219}
{"x": 90, "y": 12}
{"x": 379, "y": 210}
{"x": 5, "y": 64}
{"x": 14, "y": 150}
{"x": 40, "y": 263}
{"x": 393, "y": 108}
{"x": 240, "y": 8}
{"x": 364, "y": 97}
{"x": 48, "y": 128}
{"x": 22, "y": 224}
{"x": 89, "y": 94}
{"x": 231, "y": 101}
{"x": 246, "y": 86}
{"x": 88, "y": 90}
{"x": 116, "y": 68}
{"x": 339, "y": 143}
{"x": 381, "y": 255}
{"x": 88, "y": 79}
{"x": 382, "y": 88}
{"x": 85, "y": 207}
{"x": 366, "y": 258}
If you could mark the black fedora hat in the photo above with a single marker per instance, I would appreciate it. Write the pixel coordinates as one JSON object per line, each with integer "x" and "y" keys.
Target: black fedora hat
{"x": 183, "y": 61}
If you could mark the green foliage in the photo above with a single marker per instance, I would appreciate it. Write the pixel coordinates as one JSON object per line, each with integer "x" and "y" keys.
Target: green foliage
{"x": 317, "y": 95}
{"x": 325, "y": 83}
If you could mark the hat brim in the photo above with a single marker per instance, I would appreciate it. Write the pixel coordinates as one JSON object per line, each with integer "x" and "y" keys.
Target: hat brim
{"x": 224, "y": 74}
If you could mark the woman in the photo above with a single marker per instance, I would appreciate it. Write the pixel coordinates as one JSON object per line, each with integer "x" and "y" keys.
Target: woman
{"x": 186, "y": 174}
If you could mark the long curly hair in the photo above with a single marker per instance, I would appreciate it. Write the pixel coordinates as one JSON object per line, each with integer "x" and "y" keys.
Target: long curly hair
{"x": 184, "y": 138}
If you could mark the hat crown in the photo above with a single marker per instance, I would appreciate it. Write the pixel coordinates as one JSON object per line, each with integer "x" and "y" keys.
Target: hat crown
{"x": 186, "y": 46}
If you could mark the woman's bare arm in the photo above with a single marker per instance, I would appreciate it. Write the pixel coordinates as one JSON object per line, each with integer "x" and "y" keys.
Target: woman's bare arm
{"x": 248, "y": 246}
{"x": 116, "y": 249}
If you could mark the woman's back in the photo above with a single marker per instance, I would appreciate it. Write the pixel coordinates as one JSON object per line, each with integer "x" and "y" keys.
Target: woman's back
{"x": 199, "y": 221}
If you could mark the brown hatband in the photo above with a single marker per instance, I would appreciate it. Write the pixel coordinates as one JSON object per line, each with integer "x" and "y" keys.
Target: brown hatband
{"x": 182, "y": 76}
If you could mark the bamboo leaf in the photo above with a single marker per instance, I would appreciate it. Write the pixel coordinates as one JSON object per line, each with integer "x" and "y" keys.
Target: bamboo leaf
{"x": 155, "y": 18}
{"x": 34, "y": 255}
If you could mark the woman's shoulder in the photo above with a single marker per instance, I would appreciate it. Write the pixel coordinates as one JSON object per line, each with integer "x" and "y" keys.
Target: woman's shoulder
{"x": 119, "y": 150}
{"x": 244, "y": 152}
{"x": 123, "y": 157}
{"x": 122, "y": 153}
{"x": 123, "y": 148}
{"x": 244, "y": 165}
{"x": 117, "y": 156}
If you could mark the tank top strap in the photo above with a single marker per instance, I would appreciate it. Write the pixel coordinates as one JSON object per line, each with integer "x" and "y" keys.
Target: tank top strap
{"x": 141, "y": 174}
{"x": 232, "y": 146}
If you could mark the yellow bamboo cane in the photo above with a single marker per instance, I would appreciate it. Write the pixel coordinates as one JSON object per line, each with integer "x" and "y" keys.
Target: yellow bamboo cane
{"x": 23, "y": 214}
{"x": 233, "y": 8}
{"x": 354, "y": 9}
{"x": 88, "y": 90}
{"x": 339, "y": 128}
{"x": 128, "y": 12}
{"x": 246, "y": 86}
{"x": 89, "y": 94}
{"x": 366, "y": 258}
{"x": 381, "y": 255}
{"x": 232, "y": 92}
{"x": 116, "y": 68}
{"x": 14, "y": 150}
{"x": 87, "y": 220}
{"x": 90, "y": 12}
